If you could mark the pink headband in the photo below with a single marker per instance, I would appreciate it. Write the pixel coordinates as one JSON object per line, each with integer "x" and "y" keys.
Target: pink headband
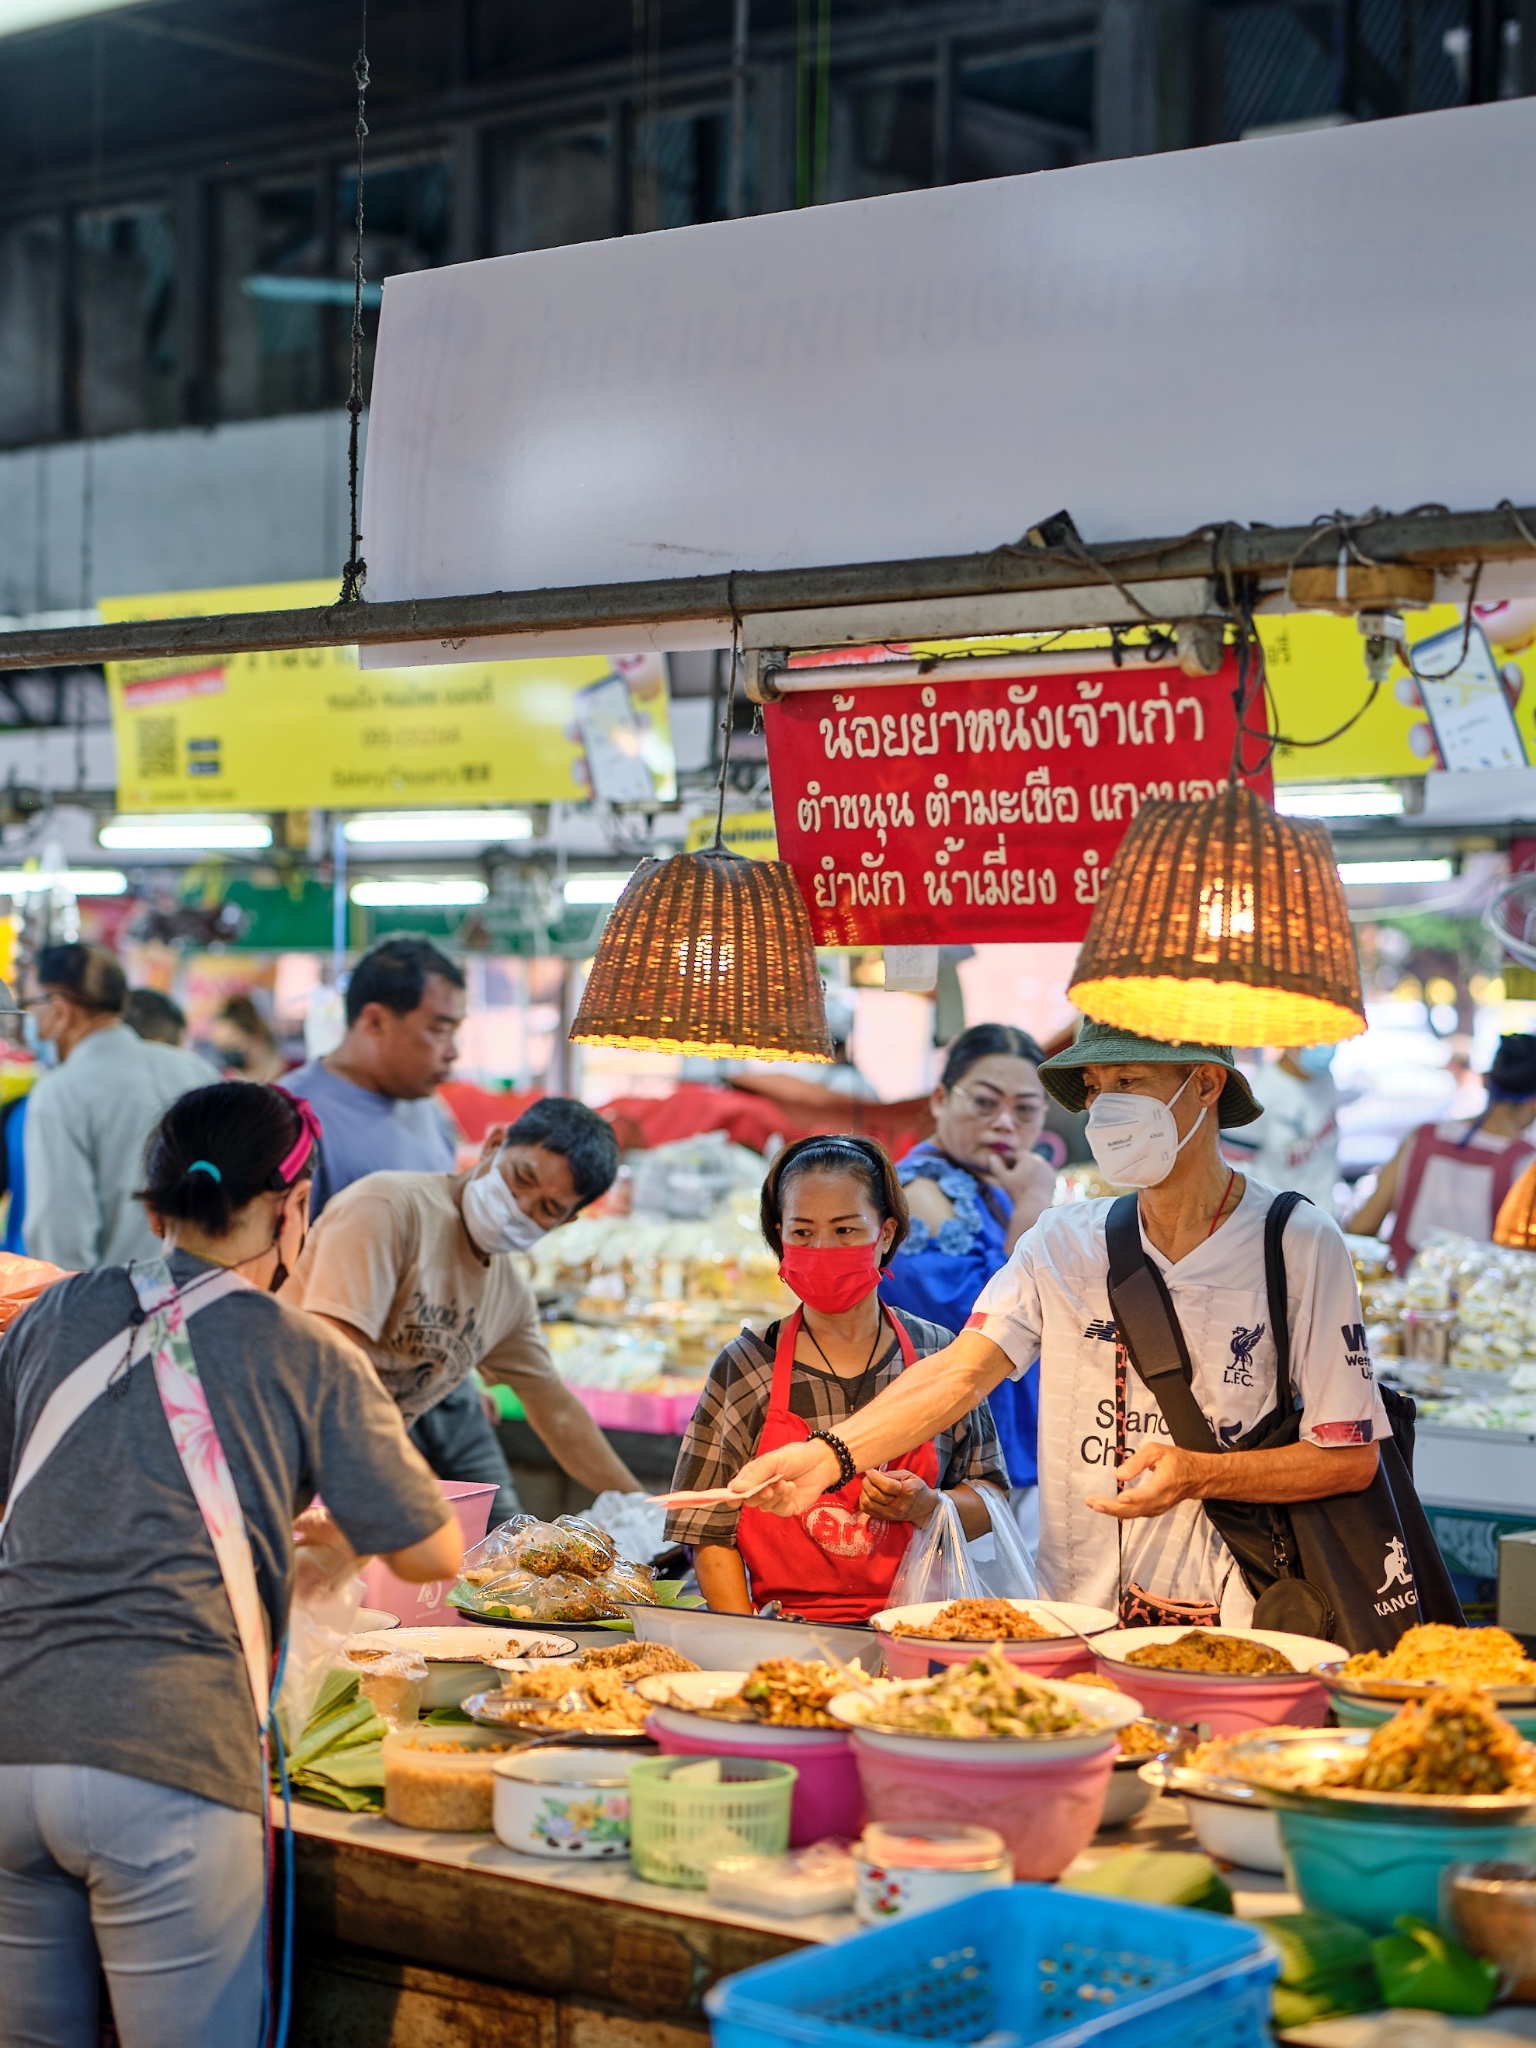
{"x": 308, "y": 1138}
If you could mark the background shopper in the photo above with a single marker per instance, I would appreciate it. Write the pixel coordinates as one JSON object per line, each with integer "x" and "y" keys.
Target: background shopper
{"x": 1454, "y": 1176}
{"x": 973, "y": 1189}
{"x": 1295, "y": 1143}
{"x": 131, "y": 1786}
{"x": 87, "y": 1121}
{"x": 833, "y": 1209}
{"x": 417, "y": 1269}
{"x": 243, "y": 1040}
{"x": 374, "y": 1095}
{"x": 1121, "y": 1519}
{"x": 155, "y": 1017}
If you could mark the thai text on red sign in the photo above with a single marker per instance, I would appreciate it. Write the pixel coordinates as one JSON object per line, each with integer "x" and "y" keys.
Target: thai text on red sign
{"x": 986, "y": 808}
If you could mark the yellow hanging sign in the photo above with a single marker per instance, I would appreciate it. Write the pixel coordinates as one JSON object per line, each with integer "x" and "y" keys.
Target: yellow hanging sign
{"x": 307, "y": 729}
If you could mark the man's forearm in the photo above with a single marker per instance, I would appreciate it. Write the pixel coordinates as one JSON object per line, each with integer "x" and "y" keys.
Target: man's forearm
{"x": 1298, "y": 1471}
{"x": 578, "y": 1445}
{"x": 928, "y": 1397}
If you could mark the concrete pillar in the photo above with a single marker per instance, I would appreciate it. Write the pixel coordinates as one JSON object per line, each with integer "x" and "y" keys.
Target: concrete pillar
{"x": 1125, "y": 115}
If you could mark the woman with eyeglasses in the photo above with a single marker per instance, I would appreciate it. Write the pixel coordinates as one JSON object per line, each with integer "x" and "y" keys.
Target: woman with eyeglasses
{"x": 973, "y": 1189}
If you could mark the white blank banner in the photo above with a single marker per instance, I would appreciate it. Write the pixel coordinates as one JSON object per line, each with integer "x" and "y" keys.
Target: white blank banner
{"x": 1263, "y": 331}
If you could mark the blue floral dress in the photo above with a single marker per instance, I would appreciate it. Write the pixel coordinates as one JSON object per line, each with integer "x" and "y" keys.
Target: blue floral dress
{"x": 938, "y": 1274}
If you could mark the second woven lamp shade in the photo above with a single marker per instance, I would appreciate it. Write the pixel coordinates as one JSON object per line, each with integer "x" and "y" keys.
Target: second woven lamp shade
{"x": 1516, "y": 1221}
{"x": 710, "y": 954}
{"x": 1222, "y": 923}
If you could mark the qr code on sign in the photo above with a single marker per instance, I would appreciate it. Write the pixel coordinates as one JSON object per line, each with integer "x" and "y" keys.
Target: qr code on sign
{"x": 157, "y": 746}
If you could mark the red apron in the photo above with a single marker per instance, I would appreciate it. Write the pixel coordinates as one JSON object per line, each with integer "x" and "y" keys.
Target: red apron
{"x": 832, "y": 1563}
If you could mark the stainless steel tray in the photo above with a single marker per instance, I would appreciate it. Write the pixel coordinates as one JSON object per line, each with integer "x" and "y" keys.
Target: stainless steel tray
{"x": 1413, "y": 1809}
{"x": 1402, "y": 1691}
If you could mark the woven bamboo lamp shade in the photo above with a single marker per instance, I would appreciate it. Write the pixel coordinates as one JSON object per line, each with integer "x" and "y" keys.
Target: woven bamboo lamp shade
{"x": 1222, "y": 923}
{"x": 712, "y": 954}
{"x": 1516, "y": 1222}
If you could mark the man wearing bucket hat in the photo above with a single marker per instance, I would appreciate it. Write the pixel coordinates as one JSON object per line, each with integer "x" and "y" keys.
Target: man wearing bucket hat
{"x": 1122, "y": 1523}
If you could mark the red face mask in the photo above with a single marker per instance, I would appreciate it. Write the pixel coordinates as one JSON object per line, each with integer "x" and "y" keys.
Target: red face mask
{"x": 833, "y": 1279}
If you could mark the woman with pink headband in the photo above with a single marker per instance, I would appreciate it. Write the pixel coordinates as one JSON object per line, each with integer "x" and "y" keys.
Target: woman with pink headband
{"x": 161, "y": 1425}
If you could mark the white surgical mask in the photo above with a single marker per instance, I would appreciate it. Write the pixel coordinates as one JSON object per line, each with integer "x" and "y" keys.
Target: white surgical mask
{"x": 1134, "y": 1138}
{"x": 494, "y": 1217}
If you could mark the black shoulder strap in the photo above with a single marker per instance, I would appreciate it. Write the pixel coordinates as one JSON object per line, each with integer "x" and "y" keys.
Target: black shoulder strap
{"x": 1280, "y": 1210}
{"x": 1148, "y": 1327}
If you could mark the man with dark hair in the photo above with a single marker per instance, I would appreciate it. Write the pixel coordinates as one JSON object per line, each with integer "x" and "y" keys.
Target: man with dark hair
{"x": 155, "y": 1016}
{"x": 373, "y": 1094}
{"x": 415, "y": 1268}
{"x": 89, "y": 1120}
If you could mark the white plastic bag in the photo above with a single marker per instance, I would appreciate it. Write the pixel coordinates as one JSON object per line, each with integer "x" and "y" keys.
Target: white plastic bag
{"x": 938, "y": 1563}
{"x": 327, "y": 1594}
{"x": 1000, "y": 1557}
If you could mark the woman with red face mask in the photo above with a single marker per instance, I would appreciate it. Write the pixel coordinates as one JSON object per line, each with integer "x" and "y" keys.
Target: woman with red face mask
{"x": 835, "y": 1213}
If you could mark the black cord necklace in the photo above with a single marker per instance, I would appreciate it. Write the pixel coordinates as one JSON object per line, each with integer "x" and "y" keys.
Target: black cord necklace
{"x": 869, "y": 1363}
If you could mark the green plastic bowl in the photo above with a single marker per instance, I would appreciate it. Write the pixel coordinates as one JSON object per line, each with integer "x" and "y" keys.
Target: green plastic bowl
{"x": 1370, "y": 1871}
{"x": 1353, "y": 1711}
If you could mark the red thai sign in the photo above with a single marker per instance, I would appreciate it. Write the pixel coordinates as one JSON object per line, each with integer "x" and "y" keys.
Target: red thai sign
{"x": 987, "y": 808}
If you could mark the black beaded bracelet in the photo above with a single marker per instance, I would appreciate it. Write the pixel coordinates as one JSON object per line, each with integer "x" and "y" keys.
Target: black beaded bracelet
{"x": 847, "y": 1470}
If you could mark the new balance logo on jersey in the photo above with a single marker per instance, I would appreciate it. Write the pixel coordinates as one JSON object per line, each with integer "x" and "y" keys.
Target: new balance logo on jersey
{"x": 1106, "y": 1332}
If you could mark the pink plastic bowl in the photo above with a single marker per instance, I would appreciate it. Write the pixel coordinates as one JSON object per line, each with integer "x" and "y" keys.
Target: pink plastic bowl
{"x": 828, "y": 1798}
{"x": 1226, "y": 1705}
{"x": 1047, "y": 1811}
{"x": 419, "y": 1606}
{"x": 1061, "y": 1657}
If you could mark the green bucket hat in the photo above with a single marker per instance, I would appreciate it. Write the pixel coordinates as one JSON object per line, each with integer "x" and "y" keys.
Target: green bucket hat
{"x": 1103, "y": 1045}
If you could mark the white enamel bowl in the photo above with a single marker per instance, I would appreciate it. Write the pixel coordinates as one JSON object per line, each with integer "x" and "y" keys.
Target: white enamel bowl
{"x": 459, "y": 1659}
{"x": 567, "y": 1804}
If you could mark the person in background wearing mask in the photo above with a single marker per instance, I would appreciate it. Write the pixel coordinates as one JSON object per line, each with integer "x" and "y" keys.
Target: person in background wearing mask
{"x": 134, "y": 1656}
{"x": 973, "y": 1189}
{"x": 243, "y": 1039}
{"x": 833, "y": 1211}
{"x": 88, "y": 1120}
{"x": 1454, "y": 1176}
{"x": 1121, "y": 1521}
{"x": 415, "y": 1268}
{"x": 1295, "y": 1143}
{"x": 405, "y": 1003}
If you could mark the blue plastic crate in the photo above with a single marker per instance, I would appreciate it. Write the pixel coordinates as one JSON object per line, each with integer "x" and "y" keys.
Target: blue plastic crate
{"x": 1014, "y": 1969}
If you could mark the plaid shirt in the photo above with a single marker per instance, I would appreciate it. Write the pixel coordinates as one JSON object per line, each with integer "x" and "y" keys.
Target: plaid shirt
{"x": 723, "y": 1434}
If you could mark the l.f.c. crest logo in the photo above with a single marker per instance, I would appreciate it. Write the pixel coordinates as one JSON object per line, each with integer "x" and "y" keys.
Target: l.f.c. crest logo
{"x": 1240, "y": 1372}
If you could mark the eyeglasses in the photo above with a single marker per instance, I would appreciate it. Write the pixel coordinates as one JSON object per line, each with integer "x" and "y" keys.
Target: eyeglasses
{"x": 1023, "y": 1109}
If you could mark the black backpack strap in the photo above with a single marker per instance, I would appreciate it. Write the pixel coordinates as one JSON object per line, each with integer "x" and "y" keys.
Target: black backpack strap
{"x": 1148, "y": 1326}
{"x": 1280, "y": 1211}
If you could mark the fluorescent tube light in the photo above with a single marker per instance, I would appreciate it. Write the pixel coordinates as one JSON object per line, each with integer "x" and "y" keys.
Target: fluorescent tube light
{"x": 420, "y": 892}
{"x": 428, "y": 828}
{"x": 595, "y": 888}
{"x": 308, "y": 291}
{"x": 80, "y": 881}
{"x": 1363, "y": 800}
{"x": 180, "y": 834}
{"x": 1387, "y": 873}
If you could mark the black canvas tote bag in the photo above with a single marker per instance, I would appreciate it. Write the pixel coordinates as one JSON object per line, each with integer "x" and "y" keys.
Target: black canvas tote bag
{"x": 1358, "y": 1568}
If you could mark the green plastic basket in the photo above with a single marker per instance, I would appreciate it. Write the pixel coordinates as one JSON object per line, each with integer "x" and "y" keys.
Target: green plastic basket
{"x": 677, "y": 1830}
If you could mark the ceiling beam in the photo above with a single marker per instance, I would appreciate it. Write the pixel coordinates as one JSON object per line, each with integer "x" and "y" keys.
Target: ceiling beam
{"x": 1439, "y": 540}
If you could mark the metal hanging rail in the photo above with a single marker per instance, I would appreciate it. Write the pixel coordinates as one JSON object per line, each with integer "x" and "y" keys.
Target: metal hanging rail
{"x": 1434, "y": 540}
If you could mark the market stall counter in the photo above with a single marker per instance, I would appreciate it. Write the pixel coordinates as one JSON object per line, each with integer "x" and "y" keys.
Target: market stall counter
{"x": 409, "y": 1938}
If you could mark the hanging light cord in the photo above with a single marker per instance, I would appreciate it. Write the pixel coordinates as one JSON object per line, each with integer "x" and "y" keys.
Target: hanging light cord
{"x": 730, "y": 719}
{"x": 355, "y": 574}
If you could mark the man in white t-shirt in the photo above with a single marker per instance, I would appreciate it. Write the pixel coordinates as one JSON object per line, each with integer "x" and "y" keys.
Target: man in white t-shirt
{"x": 1295, "y": 1143}
{"x": 1153, "y": 1116}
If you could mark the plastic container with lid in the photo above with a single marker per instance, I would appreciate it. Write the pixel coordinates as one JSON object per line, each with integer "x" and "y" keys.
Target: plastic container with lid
{"x": 443, "y": 1778}
{"x": 908, "y": 1869}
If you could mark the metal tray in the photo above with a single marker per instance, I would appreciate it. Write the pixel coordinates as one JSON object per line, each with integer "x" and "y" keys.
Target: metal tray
{"x": 480, "y": 1709}
{"x": 1421, "y": 1809}
{"x": 1406, "y": 1690}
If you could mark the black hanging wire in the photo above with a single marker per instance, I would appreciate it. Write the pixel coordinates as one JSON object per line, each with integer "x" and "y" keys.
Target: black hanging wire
{"x": 728, "y": 722}
{"x": 355, "y": 574}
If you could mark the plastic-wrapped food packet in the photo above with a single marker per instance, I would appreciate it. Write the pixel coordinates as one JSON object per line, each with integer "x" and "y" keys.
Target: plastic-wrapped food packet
{"x": 625, "y": 1581}
{"x": 523, "y": 1544}
{"x": 393, "y": 1685}
{"x": 527, "y": 1596}
{"x": 588, "y": 1550}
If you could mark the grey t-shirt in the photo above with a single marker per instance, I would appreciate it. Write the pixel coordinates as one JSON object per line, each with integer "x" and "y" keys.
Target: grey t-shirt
{"x": 368, "y": 1133}
{"x": 118, "y": 1648}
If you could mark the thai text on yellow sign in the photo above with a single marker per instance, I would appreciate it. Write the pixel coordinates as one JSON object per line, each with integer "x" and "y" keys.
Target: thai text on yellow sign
{"x": 306, "y": 729}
